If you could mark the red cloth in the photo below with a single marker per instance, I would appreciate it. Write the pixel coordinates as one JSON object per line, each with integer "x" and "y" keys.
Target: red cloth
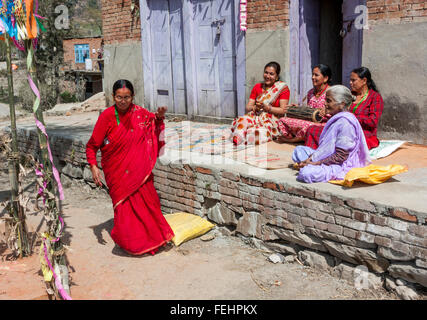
{"x": 312, "y": 136}
{"x": 257, "y": 90}
{"x": 129, "y": 153}
{"x": 368, "y": 113}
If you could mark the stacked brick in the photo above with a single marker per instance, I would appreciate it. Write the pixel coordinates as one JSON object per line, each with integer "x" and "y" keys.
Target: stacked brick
{"x": 267, "y": 14}
{"x": 284, "y": 217}
{"x": 385, "y": 239}
{"x": 396, "y": 11}
{"x": 119, "y": 24}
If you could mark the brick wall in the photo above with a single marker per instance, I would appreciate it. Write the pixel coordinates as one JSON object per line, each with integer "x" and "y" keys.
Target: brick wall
{"x": 68, "y": 45}
{"x": 396, "y": 11}
{"x": 118, "y": 24}
{"x": 267, "y": 14}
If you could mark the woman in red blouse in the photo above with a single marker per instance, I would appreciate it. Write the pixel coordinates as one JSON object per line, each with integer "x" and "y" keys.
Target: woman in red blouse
{"x": 128, "y": 137}
{"x": 367, "y": 108}
{"x": 268, "y": 101}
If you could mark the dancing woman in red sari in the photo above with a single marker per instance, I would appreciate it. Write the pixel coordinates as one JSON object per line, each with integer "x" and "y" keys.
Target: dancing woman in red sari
{"x": 128, "y": 137}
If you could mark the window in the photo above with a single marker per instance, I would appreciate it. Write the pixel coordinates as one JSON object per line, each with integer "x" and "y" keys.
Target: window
{"x": 81, "y": 52}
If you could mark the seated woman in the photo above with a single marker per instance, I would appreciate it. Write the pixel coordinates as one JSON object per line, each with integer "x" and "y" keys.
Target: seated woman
{"x": 293, "y": 130}
{"x": 367, "y": 108}
{"x": 342, "y": 144}
{"x": 267, "y": 100}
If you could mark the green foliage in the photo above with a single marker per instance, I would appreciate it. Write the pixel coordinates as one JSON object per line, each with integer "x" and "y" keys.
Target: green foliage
{"x": 49, "y": 55}
{"x": 68, "y": 97}
{"x": 47, "y": 95}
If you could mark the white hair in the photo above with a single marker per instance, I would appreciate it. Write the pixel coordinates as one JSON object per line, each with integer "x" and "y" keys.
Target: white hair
{"x": 341, "y": 94}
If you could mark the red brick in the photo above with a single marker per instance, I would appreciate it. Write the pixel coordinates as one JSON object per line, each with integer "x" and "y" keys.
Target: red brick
{"x": 204, "y": 170}
{"x": 228, "y": 191}
{"x": 378, "y": 220}
{"x": 360, "y": 216}
{"x": 366, "y": 237}
{"x": 419, "y": 231}
{"x": 349, "y": 233}
{"x": 231, "y": 200}
{"x": 270, "y": 185}
{"x": 382, "y": 241}
{"x": 335, "y": 228}
{"x": 320, "y": 225}
{"x": 230, "y": 176}
{"x": 307, "y": 222}
{"x": 403, "y": 214}
{"x": 251, "y": 182}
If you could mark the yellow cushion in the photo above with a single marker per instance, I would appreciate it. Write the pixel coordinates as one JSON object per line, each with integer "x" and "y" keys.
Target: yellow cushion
{"x": 187, "y": 226}
{"x": 372, "y": 174}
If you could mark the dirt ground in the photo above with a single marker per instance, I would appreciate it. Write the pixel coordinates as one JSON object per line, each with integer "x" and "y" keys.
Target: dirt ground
{"x": 220, "y": 269}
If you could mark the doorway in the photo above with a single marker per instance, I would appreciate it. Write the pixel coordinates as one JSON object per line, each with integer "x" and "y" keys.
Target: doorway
{"x": 330, "y": 41}
{"x": 323, "y": 31}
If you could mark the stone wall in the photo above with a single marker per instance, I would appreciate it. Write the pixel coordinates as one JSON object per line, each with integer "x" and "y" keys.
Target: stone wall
{"x": 278, "y": 216}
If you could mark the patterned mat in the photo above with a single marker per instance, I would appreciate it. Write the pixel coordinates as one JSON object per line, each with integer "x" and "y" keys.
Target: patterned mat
{"x": 200, "y": 137}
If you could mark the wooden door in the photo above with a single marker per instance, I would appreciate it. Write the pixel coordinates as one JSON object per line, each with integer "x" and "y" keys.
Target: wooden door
{"x": 177, "y": 56}
{"x": 352, "y": 41}
{"x": 215, "y": 58}
{"x": 304, "y": 45}
{"x": 163, "y": 55}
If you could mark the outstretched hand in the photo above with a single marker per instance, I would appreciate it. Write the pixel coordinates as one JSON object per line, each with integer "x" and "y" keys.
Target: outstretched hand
{"x": 160, "y": 114}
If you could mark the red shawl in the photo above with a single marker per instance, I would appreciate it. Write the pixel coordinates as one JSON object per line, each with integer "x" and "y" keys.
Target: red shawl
{"x": 131, "y": 154}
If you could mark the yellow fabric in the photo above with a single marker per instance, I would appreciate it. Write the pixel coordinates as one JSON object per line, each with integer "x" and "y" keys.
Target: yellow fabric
{"x": 187, "y": 226}
{"x": 372, "y": 174}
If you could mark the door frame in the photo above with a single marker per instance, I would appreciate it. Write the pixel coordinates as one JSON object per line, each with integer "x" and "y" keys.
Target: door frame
{"x": 189, "y": 54}
{"x": 294, "y": 69}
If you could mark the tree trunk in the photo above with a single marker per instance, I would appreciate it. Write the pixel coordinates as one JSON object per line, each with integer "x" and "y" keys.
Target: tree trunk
{"x": 13, "y": 159}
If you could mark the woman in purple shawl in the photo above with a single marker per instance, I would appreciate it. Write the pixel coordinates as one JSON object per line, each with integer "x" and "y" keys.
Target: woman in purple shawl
{"x": 342, "y": 144}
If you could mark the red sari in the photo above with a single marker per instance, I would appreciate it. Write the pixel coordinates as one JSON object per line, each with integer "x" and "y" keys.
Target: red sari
{"x": 129, "y": 153}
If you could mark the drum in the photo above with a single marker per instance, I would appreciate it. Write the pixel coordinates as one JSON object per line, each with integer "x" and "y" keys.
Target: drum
{"x": 305, "y": 113}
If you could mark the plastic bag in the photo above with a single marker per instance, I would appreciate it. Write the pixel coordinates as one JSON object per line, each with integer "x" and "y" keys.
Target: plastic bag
{"x": 372, "y": 174}
{"x": 187, "y": 226}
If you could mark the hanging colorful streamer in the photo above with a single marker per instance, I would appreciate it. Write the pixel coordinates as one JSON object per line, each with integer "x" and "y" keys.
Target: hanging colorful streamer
{"x": 20, "y": 22}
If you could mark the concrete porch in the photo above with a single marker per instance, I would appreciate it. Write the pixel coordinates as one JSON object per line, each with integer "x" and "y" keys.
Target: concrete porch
{"x": 382, "y": 227}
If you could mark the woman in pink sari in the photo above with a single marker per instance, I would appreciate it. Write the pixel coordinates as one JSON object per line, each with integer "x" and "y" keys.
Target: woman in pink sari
{"x": 294, "y": 130}
{"x": 128, "y": 137}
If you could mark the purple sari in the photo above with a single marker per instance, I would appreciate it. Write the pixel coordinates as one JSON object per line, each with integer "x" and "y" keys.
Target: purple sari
{"x": 343, "y": 131}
